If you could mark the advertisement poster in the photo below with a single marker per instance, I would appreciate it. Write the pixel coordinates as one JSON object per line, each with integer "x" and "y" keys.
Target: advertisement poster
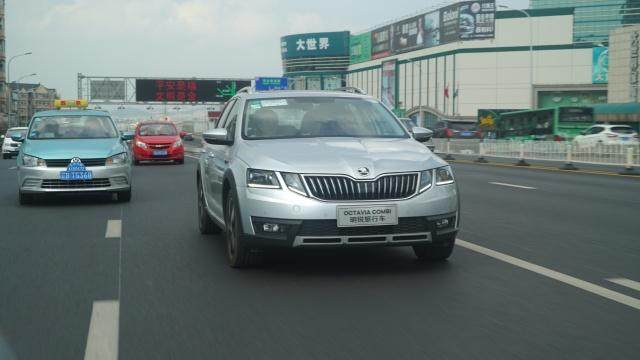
{"x": 600, "y": 65}
{"x": 388, "y": 87}
{"x": 408, "y": 35}
{"x": 449, "y": 24}
{"x": 360, "y": 48}
{"x": 381, "y": 42}
{"x": 477, "y": 20}
{"x": 432, "y": 29}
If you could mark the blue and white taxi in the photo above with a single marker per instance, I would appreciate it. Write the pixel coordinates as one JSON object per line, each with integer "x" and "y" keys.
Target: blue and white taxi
{"x": 73, "y": 150}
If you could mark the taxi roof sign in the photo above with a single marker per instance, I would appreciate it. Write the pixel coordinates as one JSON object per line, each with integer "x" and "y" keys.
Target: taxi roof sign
{"x": 80, "y": 103}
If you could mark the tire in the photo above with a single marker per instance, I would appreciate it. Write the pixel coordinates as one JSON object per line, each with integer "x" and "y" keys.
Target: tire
{"x": 436, "y": 252}
{"x": 124, "y": 196}
{"x": 205, "y": 223}
{"x": 25, "y": 199}
{"x": 238, "y": 255}
{"x": 136, "y": 162}
{"x": 179, "y": 162}
{"x": 6, "y": 156}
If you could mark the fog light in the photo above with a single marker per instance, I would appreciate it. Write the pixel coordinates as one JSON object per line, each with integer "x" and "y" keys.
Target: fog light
{"x": 442, "y": 223}
{"x": 271, "y": 228}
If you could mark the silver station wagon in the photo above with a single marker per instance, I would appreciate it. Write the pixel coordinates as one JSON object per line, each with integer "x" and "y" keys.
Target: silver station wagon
{"x": 308, "y": 169}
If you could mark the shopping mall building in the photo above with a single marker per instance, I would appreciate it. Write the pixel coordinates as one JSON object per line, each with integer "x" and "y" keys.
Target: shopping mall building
{"x": 453, "y": 61}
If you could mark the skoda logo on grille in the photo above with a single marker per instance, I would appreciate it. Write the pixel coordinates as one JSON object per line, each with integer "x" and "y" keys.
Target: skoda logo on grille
{"x": 363, "y": 171}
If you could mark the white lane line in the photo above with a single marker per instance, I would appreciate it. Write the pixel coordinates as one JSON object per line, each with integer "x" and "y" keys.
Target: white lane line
{"x": 513, "y": 186}
{"x": 102, "y": 340}
{"x": 626, "y": 283}
{"x": 13, "y": 168}
{"x": 193, "y": 157}
{"x": 114, "y": 229}
{"x": 569, "y": 280}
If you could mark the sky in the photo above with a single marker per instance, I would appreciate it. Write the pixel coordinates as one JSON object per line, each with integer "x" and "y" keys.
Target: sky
{"x": 176, "y": 38}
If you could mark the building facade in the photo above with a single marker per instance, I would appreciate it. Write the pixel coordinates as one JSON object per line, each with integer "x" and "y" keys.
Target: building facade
{"x": 29, "y": 99}
{"x": 594, "y": 19}
{"x": 624, "y": 65}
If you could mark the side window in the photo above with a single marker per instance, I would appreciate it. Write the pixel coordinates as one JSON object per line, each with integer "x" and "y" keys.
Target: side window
{"x": 225, "y": 113}
{"x": 595, "y": 130}
{"x": 232, "y": 120}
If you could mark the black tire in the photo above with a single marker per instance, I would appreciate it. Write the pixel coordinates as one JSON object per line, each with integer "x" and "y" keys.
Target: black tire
{"x": 124, "y": 196}
{"x": 179, "y": 162}
{"x": 439, "y": 251}
{"x": 136, "y": 162}
{"x": 25, "y": 199}
{"x": 6, "y": 156}
{"x": 238, "y": 254}
{"x": 205, "y": 223}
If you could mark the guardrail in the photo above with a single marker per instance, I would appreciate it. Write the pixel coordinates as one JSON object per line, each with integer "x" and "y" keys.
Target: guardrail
{"x": 627, "y": 155}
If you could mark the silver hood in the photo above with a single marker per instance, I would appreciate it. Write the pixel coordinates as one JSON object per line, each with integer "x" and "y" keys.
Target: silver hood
{"x": 338, "y": 155}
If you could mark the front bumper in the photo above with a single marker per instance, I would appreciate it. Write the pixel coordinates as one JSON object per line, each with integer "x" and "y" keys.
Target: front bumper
{"x": 173, "y": 154}
{"x": 10, "y": 150}
{"x": 47, "y": 180}
{"x": 312, "y": 223}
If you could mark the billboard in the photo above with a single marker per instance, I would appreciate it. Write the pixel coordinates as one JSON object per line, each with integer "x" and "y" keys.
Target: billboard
{"x": 432, "y": 29}
{"x": 360, "y": 48}
{"x": 600, "y": 69}
{"x": 477, "y": 20}
{"x": 388, "y": 86}
{"x": 408, "y": 35}
{"x": 107, "y": 90}
{"x": 315, "y": 45}
{"x": 187, "y": 90}
{"x": 381, "y": 42}
{"x": 450, "y": 24}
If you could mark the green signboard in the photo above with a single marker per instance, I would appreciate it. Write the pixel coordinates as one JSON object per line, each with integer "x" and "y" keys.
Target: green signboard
{"x": 360, "y": 48}
{"x": 600, "y": 74}
{"x": 315, "y": 45}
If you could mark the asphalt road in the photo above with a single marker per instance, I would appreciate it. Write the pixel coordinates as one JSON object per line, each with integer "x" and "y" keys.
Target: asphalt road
{"x": 177, "y": 299}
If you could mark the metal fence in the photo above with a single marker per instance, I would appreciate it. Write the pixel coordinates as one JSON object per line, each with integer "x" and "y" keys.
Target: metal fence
{"x": 623, "y": 154}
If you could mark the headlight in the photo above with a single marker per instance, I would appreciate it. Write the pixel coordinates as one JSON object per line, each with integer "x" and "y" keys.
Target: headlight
{"x": 32, "y": 161}
{"x": 426, "y": 180}
{"x": 265, "y": 179}
{"x": 294, "y": 183}
{"x": 119, "y": 159}
{"x": 140, "y": 144}
{"x": 444, "y": 176}
{"x": 177, "y": 143}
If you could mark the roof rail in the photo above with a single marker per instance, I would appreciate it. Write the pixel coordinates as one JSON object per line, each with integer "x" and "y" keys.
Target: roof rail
{"x": 246, "y": 89}
{"x": 352, "y": 89}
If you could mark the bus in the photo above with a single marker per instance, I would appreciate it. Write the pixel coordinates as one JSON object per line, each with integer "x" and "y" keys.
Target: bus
{"x": 558, "y": 123}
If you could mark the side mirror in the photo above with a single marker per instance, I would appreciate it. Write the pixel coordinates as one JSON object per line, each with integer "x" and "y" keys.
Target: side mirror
{"x": 217, "y": 137}
{"x": 17, "y": 138}
{"x": 127, "y": 136}
{"x": 422, "y": 134}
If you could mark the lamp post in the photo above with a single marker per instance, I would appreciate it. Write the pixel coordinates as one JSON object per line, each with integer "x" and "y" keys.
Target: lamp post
{"x": 526, "y": 13}
{"x": 24, "y": 77}
{"x": 9, "y": 81}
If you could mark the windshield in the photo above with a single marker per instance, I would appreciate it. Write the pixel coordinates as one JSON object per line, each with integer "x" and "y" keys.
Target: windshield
{"x": 308, "y": 117}
{"x": 157, "y": 130}
{"x": 16, "y": 132}
{"x": 72, "y": 127}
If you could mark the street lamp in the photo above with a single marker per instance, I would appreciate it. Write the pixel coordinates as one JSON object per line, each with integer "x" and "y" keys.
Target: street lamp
{"x": 9, "y": 80}
{"x": 530, "y": 44}
{"x": 24, "y": 77}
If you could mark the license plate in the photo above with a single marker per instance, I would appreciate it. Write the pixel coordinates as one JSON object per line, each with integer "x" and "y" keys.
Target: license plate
{"x": 159, "y": 152}
{"x": 368, "y": 215}
{"x": 76, "y": 175}
{"x": 625, "y": 138}
{"x": 467, "y": 133}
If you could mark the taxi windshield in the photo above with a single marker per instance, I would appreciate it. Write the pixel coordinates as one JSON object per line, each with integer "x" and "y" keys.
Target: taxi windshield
{"x": 72, "y": 127}
{"x": 157, "y": 130}
{"x": 16, "y": 132}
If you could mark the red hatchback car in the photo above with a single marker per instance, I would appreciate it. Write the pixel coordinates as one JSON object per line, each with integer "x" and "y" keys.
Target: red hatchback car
{"x": 157, "y": 141}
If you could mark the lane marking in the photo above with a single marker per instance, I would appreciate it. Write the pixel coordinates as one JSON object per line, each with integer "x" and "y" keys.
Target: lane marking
{"x": 13, "y": 168}
{"x": 626, "y": 283}
{"x": 567, "y": 279}
{"x": 102, "y": 340}
{"x": 513, "y": 186}
{"x": 114, "y": 229}
{"x": 193, "y": 157}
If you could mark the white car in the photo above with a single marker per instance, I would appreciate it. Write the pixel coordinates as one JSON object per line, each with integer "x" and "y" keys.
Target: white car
{"x": 9, "y": 147}
{"x": 604, "y": 134}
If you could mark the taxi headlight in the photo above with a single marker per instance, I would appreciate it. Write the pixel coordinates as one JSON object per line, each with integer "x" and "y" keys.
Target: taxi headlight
{"x": 444, "y": 176}
{"x": 426, "y": 180}
{"x": 264, "y": 179}
{"x": 32, "y": 161}
{"x": 119, "y": 159}
{"x": 294, "y": 183}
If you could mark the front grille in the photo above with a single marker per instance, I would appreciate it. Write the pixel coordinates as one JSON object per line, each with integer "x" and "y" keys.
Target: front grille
{"x": 407, "y": 225}
{"x": 75, "y": 184}
{"x": 65, "y": 162}
{"x": 342, "y": 188}
{"x": 159, "y": 146}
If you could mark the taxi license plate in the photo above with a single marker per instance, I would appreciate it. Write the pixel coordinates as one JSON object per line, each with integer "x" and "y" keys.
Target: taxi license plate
{"x": 76, "y": 175}
{"x": 625, "y": 138}
{"x": 159, "y": 152}
{"x": 368, "y": 215}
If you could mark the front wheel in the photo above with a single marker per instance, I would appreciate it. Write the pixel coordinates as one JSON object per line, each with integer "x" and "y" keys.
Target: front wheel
{"x": 439, "y": 251}
{"x": 206, "y": 225}
{"x": 6, "y": 156}
{"x": 238, "y": 254}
